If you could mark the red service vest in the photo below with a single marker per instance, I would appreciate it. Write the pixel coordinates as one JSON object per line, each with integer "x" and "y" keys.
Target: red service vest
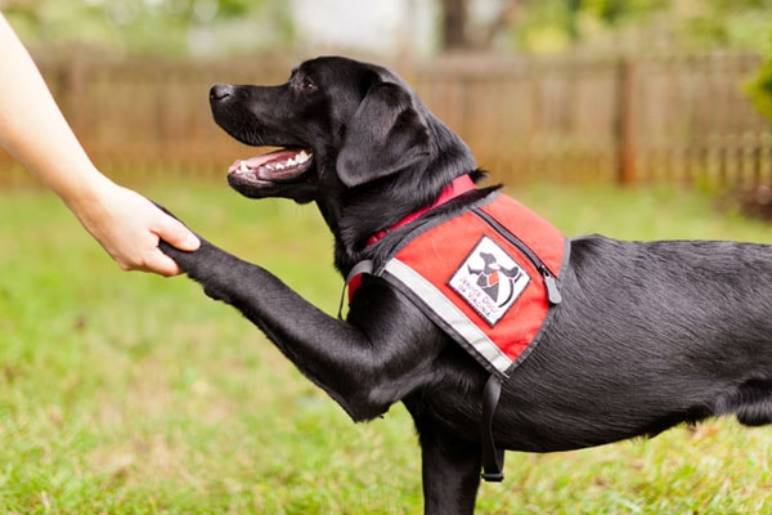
{"x": 487, "y": 276}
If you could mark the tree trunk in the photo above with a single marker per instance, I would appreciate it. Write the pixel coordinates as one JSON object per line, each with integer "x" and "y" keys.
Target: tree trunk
{"x": 454, "y": 18}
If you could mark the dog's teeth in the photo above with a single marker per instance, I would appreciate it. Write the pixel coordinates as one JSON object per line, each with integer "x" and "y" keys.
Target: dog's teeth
{"x": 302, "y": 157}
{"x": 243, "y": 167}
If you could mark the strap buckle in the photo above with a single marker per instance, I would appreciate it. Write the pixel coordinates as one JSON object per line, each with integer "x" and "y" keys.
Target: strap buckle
{"x": 493, "y": 477}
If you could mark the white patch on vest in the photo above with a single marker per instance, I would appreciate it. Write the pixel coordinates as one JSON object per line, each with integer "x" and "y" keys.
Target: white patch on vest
{"x": 490, "y": 280}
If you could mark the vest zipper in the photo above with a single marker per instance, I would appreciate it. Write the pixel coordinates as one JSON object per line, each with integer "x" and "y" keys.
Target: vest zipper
{"x": 553, "y": 292}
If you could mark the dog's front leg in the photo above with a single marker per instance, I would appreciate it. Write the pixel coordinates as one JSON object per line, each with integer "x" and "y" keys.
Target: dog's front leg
{"x": 364, "y": 367}
{"x": 451, "y": 472}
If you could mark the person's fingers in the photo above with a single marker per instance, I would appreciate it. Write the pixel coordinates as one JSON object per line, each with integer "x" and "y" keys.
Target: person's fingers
{"x": 160, "y": 263}
{"x": 176, "y": 234}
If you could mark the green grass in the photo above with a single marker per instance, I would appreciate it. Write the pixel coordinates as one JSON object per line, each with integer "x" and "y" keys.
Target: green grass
{"x": 133, "y": 393}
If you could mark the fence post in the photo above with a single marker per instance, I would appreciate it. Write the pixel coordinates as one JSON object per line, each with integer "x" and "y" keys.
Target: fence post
{"x": 70, "y": 92}
{"x": 624, "y": 123}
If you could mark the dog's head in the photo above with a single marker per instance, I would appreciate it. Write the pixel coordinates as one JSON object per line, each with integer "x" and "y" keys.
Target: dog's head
{"x": 341, "y": 124}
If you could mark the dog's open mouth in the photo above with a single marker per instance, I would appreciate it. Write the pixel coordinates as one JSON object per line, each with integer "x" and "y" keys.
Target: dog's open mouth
{"x": 284, "y": 165}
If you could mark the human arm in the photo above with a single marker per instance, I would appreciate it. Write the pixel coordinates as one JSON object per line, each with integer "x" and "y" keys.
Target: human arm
{"x": 34, "y": 131}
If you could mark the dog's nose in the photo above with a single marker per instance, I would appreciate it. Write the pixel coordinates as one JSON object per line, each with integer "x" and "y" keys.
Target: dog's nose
{"x": 220, "y": 92}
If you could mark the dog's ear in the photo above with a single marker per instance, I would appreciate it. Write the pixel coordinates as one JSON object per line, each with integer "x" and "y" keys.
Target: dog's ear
{"x": 386, "y": 134}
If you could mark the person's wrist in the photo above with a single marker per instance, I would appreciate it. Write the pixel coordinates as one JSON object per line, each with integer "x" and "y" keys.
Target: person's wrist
{"x": 89, "y": 195}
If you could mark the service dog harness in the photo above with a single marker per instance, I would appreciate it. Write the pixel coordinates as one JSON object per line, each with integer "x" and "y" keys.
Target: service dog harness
{"x": 487, "y": 277}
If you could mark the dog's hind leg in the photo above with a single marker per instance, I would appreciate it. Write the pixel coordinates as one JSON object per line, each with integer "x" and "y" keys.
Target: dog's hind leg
{"x": 751, "y": 402}
{"x": 451, "y": 472}
{"x": 756, "y": 410}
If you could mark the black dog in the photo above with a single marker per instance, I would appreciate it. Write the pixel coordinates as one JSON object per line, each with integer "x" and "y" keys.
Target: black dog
{"x": 649, "y": 335}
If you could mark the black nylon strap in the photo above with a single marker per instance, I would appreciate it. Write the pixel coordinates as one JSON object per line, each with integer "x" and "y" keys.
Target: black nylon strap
{"x": 492, "y": 458}
{"x": 363, "y": 267}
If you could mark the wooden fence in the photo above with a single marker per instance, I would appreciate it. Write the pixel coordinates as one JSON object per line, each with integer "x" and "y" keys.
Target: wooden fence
{"x": 676, "y": 119}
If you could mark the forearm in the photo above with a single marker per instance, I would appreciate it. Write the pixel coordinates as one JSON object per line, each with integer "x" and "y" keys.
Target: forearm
{"x": 363, "y": 366}
{"x": 35, "y": 132}
{"x": 267, "y": 301}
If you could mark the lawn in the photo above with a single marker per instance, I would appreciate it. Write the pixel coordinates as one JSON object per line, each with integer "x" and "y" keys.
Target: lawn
{"x": 133, "y": 393}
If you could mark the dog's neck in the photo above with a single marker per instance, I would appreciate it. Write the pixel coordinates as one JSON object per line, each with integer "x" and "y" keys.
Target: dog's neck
{"x": 364, "y": 211}
{"x": 456, "y": 188}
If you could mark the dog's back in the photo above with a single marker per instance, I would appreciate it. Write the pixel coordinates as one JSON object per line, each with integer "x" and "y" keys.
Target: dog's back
{"x": 689, "y": 326}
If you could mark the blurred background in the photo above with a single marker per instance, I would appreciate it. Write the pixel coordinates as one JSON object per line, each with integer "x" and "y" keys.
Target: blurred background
{"x": 639, "y": 91}
{"x": 640, "y": 119}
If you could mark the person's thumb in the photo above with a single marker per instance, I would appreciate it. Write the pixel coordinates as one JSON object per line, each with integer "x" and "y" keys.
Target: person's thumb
{"x": 176, "y": 234}
{"x": 160, "y": 263}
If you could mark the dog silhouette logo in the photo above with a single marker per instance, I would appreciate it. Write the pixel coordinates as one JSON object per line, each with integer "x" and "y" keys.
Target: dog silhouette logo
{"x": 489, "y": 280}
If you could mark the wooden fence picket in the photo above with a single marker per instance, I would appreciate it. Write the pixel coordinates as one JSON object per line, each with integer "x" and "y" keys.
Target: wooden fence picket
{"x": 679, "y": 119}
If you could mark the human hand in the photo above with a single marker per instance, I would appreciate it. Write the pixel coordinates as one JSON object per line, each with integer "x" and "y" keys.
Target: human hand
{"x": 35, "y": 132}
{"x": 129, "y": 227}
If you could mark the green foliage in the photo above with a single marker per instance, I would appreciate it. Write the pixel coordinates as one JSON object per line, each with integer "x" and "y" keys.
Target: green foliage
{"x": 155, "y": 26}
{"x": 130, "y": 393}
{"x": 746, "y": 24}
{"x": 615, "y": 11}
{"x": 559, "y": 24}
{"x": 552, "y": 25}
{"x": 759, "y": 89}
{"x": 743, "y": 24}
{"x": 548, "y": 26}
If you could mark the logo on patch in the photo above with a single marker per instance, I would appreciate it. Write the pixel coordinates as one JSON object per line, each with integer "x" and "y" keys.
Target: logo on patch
{"x": 489, "y": 280}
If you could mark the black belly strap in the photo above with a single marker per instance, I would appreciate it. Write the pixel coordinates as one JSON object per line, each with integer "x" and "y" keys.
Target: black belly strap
{"x": 492, "y": 457}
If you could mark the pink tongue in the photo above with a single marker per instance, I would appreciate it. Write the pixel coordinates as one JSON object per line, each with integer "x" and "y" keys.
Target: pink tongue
{"x": 257, "y": 161}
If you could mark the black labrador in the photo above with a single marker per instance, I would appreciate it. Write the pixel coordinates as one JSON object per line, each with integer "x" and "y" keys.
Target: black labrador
{"x": 649, "y": 335}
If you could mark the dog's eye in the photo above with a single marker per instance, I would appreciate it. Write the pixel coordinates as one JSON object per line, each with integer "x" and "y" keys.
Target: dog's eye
{"x": 307, "y": 84}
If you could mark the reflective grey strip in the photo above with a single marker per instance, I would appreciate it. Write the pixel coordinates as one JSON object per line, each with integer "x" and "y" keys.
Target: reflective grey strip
{"x": 363, "y": 267}
{"x": 449, "y": 313}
